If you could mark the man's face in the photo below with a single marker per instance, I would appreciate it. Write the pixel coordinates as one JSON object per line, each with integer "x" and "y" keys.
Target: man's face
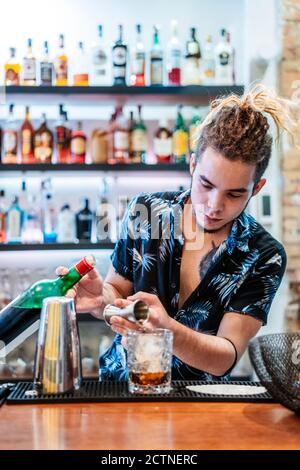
{"x": 220, "y": 189}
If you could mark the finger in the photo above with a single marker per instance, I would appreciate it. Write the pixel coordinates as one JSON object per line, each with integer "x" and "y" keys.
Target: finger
{"x": 142, "y": 296}
{"x": 71, "y": 293}
{"x": 61, "y": 270}
{"x": 123, "y": 323}
{"x": 119, "y": 330}
{"x": 124, "y": 342}
{"x": 121, "y": 303}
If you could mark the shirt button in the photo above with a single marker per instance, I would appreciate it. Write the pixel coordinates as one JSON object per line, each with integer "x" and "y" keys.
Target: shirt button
{"x": 173, "y": 285}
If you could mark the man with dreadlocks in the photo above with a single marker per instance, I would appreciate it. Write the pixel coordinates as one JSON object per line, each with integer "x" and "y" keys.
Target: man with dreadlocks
{"x": 207, "y": 269}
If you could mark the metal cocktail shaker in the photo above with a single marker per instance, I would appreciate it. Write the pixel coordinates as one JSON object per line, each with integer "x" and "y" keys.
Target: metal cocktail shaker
{"x": 57, "y": 367}
{"x": 138, "y": 311}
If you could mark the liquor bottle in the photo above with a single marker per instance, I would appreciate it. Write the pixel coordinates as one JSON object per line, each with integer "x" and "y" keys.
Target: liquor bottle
{"x": 180, "y": 139}
{"x": 103, "y": 220}
{"x": 14, "y": 222}
{"x": 66, "y": 227}
{"x": 23, "y": 311}
{"x": 208, "y": 62}
{"x": 80, "y": 67}
{"x": 49, "y": 220}
{"x": 194, "y": 131}
{"x": 43, "y": 142}
{"x": 46, "y": 67}
{"x": 138, "y": 60}
{"x": 10, "y": 138}
{"x": 100, "y": 70}
{"x": 23, "y": 199}
{"x": 174, "y": 57}
{"x": 131, "y": 125}
{"x": 224, "y": 61}
{"x": 27, "y": 136}
{"x": 139, "y": 142}
{"x": 163, "y": 142}
{"x": 192, "y": 71}
{"x": 62, "y": 138}
{"x": 119, "y": 58}
{"x": 156, "y": 60}
{"x": 84, "y": 223}
{"x": 120, "y": 138}
{"x": 78, "y": 145}
{"x": 32, "y": 226}
{"x": 99, "y": 145}
{"x": 12, "y": 69}
{"x": 3, "y": 216}
{"x": 122, "y": 208}
{"x": 61, "y": 64}
{"x": 29, "y": 66}
{"x": 228, "y": 37}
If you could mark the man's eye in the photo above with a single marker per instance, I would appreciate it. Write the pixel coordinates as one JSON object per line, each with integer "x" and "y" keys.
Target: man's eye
{"x": 234, "y": 196}
{"x": 205, "y": 185}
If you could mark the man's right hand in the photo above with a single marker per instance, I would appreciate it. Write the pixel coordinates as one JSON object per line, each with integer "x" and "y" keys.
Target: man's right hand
{"x": 88, "y": 292}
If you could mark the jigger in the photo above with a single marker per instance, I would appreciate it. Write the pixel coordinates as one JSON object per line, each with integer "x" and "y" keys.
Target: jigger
{"x": 138, "y": 311}
{"x": 57, "y": 367}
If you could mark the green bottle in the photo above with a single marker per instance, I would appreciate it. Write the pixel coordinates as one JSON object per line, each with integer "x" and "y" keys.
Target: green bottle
{"x": 180, "y": 139}
{"x": 194, "y": 130}
{"x": 23, "y": 311}
{"x": 139, "y": 142}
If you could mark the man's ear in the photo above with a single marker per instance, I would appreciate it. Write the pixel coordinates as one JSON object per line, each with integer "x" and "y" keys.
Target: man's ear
{"x": 193, "y": 163}
{"x": 259, "y": 186}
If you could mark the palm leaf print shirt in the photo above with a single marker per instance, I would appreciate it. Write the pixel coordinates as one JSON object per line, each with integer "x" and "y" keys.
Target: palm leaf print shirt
{"x": 243, "y": 277}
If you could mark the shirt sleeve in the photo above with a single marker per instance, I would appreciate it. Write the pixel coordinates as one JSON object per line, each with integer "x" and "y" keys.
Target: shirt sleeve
{"x": 255, "y": 295}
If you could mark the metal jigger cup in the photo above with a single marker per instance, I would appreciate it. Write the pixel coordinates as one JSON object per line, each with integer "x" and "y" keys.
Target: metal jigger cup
{"x": 138, "y": 311}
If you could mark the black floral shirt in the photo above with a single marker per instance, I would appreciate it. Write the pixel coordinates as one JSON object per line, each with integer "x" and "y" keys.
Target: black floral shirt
{"x": 243, "y": 277}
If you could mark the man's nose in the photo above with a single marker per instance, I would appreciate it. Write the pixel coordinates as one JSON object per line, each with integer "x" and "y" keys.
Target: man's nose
{"x": 215, "y": 202}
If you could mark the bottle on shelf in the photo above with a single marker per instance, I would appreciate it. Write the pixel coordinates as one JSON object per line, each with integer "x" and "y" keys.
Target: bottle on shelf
{"x": 100, "y": 65}
{"x": 99, "y": 145}
{"x": 84, "y": 223}
{"x": 24, "y": 199}
{"x": 66, "y": 227}
{"x": 224, "y": 61}
{"x": 194, "y": 130}
{"x": 27, "y": 139}
{"x": 138, "y": 60}
{"x": 3, "y": 217}
{"x": 156, "y": 60}
{"x": 29, "y": 66}
{"x": 120, "y": 59}
{"x": 61, "y": 64}
{"x": 81, "y": 67}
{"x": 12, "y": 69}
{"x": 62, "y": 138}
{"x": 22, "y": 312}
{"x": 32, "y": 226}
{"x": 208, "y": 63}
{"x": 78, "y": 145}
{"x": 46, "y": 67}
{"x": 43, "y": 142}
{"x": 103, "y": 219}
{"x": 163, "y": 142}
{"x": 10, "y": 138}
{"x": 138, "y": 137}
{"x": 180, "y": 139}
{"x": 122, "y": 208}
{"x": 192, "y": 64}
{"x": 233, "y": 57}
{"x": 49, "y": 220}
{"x": 14, "y": 222}
{"x": 174, "y": 57}
{"x": 120, "y": 135}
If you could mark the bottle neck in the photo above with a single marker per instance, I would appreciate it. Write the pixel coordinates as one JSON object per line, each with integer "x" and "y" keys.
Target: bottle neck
{"x": 68, "y": 280}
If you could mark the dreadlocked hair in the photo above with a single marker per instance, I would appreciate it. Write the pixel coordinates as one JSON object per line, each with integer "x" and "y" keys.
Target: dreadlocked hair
{"x": 238, "y": 127}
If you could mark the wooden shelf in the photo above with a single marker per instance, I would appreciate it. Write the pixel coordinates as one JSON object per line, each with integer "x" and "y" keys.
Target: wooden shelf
{"x": 57, "y": 246}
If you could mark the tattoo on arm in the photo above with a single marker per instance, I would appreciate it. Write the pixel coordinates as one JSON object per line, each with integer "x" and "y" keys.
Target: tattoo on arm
{"x": 206, "y": 260}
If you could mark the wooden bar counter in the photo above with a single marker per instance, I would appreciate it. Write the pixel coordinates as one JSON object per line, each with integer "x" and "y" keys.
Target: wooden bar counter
{"x": 147, "y": 426}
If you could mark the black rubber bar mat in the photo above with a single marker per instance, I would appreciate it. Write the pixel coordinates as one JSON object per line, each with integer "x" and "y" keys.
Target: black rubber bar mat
{"x": 94, "y": 391}
{"x": 5, "y": 390}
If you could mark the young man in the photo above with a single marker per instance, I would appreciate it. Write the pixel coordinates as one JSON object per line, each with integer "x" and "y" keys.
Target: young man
{"x": 207, "y": 269}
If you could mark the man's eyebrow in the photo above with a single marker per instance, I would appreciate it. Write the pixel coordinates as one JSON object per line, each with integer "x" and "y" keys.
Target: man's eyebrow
{"x": 235, "y": 190}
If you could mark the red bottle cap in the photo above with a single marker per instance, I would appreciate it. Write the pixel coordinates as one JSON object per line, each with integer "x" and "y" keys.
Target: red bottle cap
{"x": 85, "y": 265}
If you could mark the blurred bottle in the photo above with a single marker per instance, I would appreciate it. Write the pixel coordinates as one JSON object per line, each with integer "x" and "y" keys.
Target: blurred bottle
{"x": 138, "y": 60}
{"x": 120, "y": 59}
{"x": 12, "y": 69}
{"x": 61, "y": 64}
{"x": 138, "y": 139}
{"x": 192, "y": 70}
{"x": 29, "y": 66}
{"x": 100, "y": 70}
{"x": 81, "y": 67}
{"x": 32, "y": 226}
{"x": 10, "y": 138}
{"x": 84, "y": 223}
{"x": 209, "y": 65}
{"x": 66, "y": 227}
{"x": 194, "y": 130}
{"x": 120, "y": 133}
{"x": 156, "y": 60}
{"x": 174, "y": 57}
{"x": 163, "y": 142}
{"x": 224, "y": 61}
{"x": 62, "y": 137}
{"x": 180, "y": 139}
{"x": 43, "y": 142}
{"x": 14, "y": 222}
{"x": 46, "y": 67}
{"x": 49, "y": 220}
{"x": 122, "y": 207}
{"x": 78, "y": 145}
{"x": 6, "y": 288}
{"x": 3, "y": 216}
{"x": 99, "y": 145}
{"x": 27, "y": 137}
{"x": 103, "y": 222}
